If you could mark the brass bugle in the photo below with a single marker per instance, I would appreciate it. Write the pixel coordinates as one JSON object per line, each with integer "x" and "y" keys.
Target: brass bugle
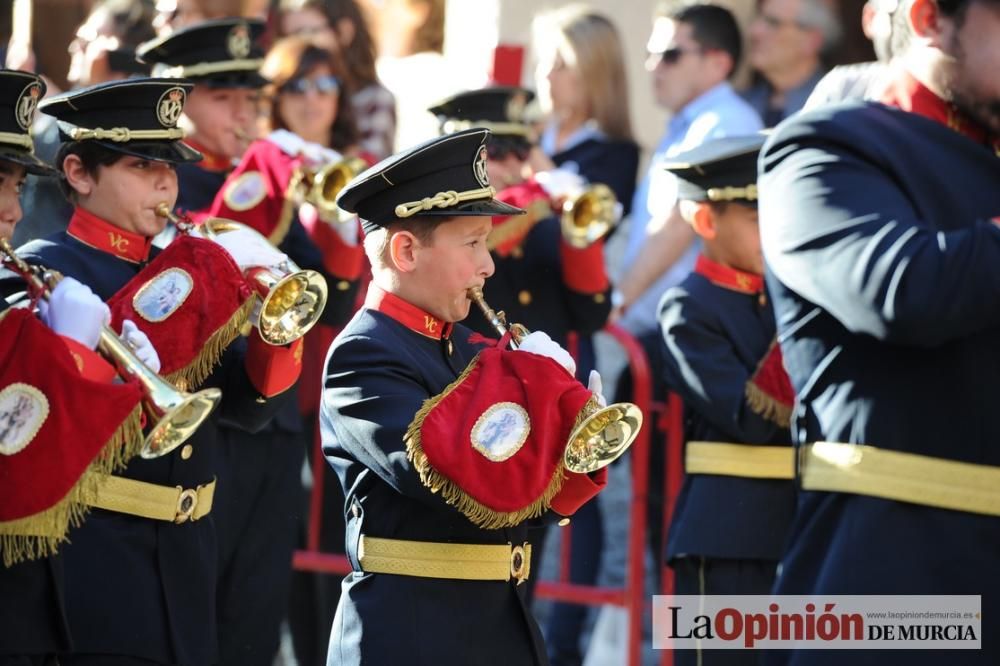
{"x": 589, "y": 215}
{"x": 321, "y": 186}
{"x": 605, "y": 433}
{"x": 176, "y": 414}
{"x": 290, "y": 299}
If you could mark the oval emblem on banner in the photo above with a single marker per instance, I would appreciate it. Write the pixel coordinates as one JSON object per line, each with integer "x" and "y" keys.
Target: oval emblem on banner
{"x": 160, "y": 297}
{"x": 501, "y": 431}
{"x": 23, "y": 410}
{"x": 246, "y": 191}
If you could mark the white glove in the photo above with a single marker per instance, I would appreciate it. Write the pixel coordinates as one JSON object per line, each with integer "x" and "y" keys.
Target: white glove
{"x": 294, "y": 145}
{"x": 540, "y": 343}
{"x": 140, "y": 345}
{"x": 596, "y": 386}
{"x": 249, "y": 250}
{"x": 349, "y": 230}
{"x": 559, "y": 183}
{"x": 74, "y": 311}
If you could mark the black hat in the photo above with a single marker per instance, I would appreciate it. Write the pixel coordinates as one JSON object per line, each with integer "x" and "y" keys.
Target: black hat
{"x": 20, "y": 93}
{"x": 500, "y": 109}
{"x": 221, "y": 54}
{"x": 443, "y": 176}
{"x": 135, "y": 116}
{"x": 719, "y": 170}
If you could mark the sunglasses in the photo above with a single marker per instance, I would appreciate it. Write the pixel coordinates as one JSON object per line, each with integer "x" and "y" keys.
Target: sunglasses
{"x": 324, "y": 85}
{"x": 499, "y": 149}
{"x": 673, "y": 55}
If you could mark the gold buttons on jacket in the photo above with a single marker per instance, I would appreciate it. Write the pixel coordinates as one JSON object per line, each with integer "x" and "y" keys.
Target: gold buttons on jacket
{"x": 187, "y": 451}
{"x": 564, "y": 522}
{"x": 598, "y": 298}
{"x": 343, "y": 285}
{"x": 524, "y": 297}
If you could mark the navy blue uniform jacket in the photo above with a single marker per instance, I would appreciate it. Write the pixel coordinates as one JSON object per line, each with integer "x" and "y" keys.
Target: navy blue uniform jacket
{"x": 885, "y": 274}
{"x": 536, "y": 270}
{"x": 135, "y": 586}
{"x": 715, "y": 338}
{"x": 379, "y": 373}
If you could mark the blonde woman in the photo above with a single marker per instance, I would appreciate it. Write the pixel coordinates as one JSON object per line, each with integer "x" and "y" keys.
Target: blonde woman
{"x": 581, "y": 83}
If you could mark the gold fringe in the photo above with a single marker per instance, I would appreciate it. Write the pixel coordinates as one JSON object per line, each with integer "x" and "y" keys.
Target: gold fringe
{"x": 195, "y": 372}
{"x": 40, "y": 535}
{"x": 475, "y": 511}
{"x": 769, "y": 408}
{"x": 517, "y": 225}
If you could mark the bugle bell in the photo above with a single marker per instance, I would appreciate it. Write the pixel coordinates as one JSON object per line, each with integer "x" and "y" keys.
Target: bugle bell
{"x": 175, "y": 414}
{"x": 322, "y": 185}
{"x": 605, "y": 433}
{"x": 291, "y": 299}
{"x": 589, "y": 215}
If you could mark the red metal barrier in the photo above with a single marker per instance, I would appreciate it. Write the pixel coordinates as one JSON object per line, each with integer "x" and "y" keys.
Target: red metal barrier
{"x": 632, "y": 595}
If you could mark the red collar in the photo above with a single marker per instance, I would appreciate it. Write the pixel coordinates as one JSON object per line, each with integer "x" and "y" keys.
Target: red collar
{"x": 102, "y": 235}
{"x": 728, "y": 277}
{"x": 407, "y": 314}
{"x": 908, "y": 94}
{"x": 212, "y": 161}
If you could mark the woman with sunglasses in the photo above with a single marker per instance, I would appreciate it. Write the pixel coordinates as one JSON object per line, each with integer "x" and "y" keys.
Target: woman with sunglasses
{"x": 308, "y": 125}
{"x": 338, "y": 24}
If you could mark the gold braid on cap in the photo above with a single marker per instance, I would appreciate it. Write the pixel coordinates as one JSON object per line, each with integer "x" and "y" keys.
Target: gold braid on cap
{"x": 124, "y": 134}
{"x": 443, "y": 200}
{"x": 517, "y": 129}
{"x": 731, "y": 193}
{"x": 209, "y": 68}
{"x": 16, "y": 139}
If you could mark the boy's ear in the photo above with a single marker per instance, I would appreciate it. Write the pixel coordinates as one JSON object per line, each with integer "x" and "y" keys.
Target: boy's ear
{"x": 703, "y": 220}
{"x": 403, "y": 247}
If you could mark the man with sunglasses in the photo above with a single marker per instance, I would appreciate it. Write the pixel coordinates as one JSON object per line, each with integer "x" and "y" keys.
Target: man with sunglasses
{"x": 787, "y": 41}
{"x": 693, "y": 52}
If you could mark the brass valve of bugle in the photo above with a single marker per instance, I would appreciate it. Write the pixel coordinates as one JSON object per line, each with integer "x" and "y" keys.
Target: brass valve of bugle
{"x": 321, "y": 185}
{"x": 290, "y": 299}
{"x": 175, "y": 414}
{"x": 605, "y": 433}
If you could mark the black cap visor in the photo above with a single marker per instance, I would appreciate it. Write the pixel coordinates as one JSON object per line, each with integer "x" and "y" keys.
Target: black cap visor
{"x": 31, "y": 164}
{"x": 176, "y": 152}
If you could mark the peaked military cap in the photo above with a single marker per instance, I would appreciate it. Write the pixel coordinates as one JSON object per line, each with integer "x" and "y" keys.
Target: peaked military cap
{"x": 20, "y": 93}
{"x": 135, "y": 116}
{"x": 222, "y": 54}
{"x": 500, "y": 109}
{"x": 720, "y": 170}
{"x": 445, "y": 176}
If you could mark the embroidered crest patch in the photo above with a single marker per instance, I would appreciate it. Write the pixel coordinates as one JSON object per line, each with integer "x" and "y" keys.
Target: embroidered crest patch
{"x": 246, "y": 191}
{"x": 501, "y": 431}
{"x": 160, "y": 297}
{"x": 480, "y": 167}
{"x": 238, "y": 41}
{"x": 23, "y": 410}
{"x": 24, "y": 110}
{"x": 170, "y": 106}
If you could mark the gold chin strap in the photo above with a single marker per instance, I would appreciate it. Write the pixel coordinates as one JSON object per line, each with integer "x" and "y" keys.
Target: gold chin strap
{"x": 124, "y": 134}
{"x": 19, "y": 140}
{"x": 748, "y": 193}
{"x": 443, "y": 200}
{"x": 209, "y": 68}
{"x": 515, "y": 129}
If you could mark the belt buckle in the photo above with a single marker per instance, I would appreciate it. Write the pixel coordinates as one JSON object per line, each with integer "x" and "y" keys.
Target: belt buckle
{"x": 519, "y": 563}
{"x": 187, "y": 501}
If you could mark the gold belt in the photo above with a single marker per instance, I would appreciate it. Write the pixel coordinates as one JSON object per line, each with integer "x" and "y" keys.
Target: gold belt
{"x": 904, "y": 477}
{"x": 148, "y": 500}
{"x": 755, "y": 462}
{"x": 462, "y": 561}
